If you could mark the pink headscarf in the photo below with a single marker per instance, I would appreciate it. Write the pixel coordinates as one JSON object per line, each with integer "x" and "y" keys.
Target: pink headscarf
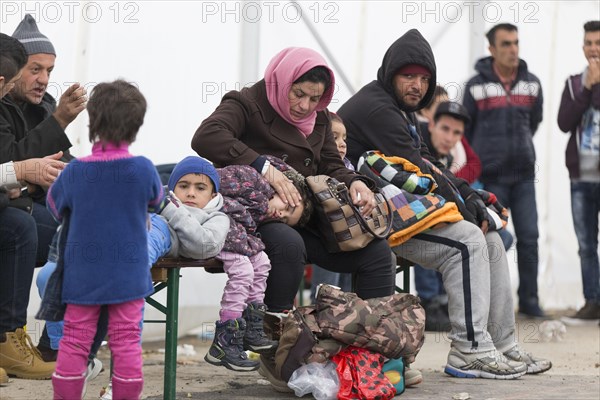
{"x": 287, "y": 66}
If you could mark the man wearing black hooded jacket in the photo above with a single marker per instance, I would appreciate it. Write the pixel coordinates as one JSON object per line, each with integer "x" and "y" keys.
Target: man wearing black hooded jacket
{"x": 472, "y": 261}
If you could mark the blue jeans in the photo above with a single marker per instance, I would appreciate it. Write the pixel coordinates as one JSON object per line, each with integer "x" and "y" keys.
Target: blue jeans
{"x": 159, "y": 239}
{"x": 428, "y": 283}
{"x": 585, "y": 207}
{"x": 18, "y": 246}
{"x": 520, "y": 199}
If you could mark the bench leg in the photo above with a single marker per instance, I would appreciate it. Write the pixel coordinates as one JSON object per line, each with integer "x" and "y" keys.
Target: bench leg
{"x": 170, "y": 377}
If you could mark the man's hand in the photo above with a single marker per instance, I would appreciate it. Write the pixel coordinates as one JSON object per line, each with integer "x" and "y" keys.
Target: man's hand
{"x": 477, "y": 208}
{"x": 283, "y": 186}
{"x": 71, "y": 103}
{"x": 14, "y": 193}
{"x": 362, "y": 197}
{"x": 593, "y": 73}
{"x": 40, "y": 171}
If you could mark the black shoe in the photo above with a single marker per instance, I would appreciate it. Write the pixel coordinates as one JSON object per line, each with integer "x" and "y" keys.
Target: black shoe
{"x": 588, "y": 314}
{"x": 255, "y": 338}
{"x": 48, "y": 354}
{"x": 532, "y": 309}
{"x": 227, "y": 350}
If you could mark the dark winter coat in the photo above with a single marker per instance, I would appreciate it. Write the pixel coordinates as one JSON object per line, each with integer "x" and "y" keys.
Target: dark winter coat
{"x": 376, "y": 120}
{"x": 245, "y": 126}
{"x": 30, "y": 132}
{"x": 503, "y": 124}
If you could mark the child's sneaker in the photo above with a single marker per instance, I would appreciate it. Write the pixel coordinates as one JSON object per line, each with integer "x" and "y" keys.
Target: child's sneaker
{"x": 490, "y": 365}
{"x": 255, "y": 338}
{"x": 94, "y": 367}
{"x": 412, "y": 377}
{"x": 106, "y": 393}
{"x": 227, "y": 347}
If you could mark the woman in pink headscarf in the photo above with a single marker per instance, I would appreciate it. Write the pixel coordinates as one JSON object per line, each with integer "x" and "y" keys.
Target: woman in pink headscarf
{"x": 285, "y": 115}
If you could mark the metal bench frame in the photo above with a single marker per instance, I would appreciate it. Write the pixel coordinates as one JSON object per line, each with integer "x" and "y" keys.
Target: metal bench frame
{"x": 165, "y": 274}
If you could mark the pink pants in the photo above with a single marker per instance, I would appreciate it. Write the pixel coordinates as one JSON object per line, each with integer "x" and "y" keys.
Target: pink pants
{"x": 124, "y": 333}
{"x": 246, "y": 283}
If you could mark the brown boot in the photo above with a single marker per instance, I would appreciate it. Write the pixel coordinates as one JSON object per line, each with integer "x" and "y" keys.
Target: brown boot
{"x": 3, "y": 376}
{"x": 19, "y": 357}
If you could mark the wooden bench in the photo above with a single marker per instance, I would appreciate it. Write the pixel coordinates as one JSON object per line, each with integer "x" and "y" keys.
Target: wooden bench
{"x": 165, "y": 274}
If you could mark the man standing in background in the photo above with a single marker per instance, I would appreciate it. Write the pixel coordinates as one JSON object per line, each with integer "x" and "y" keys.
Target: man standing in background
{"x": 504, "y": 101}
{"x": 579, "y": 114}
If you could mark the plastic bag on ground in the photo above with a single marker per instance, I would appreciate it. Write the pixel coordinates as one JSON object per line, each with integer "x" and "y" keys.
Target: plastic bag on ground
{"x": 319, "y": 379}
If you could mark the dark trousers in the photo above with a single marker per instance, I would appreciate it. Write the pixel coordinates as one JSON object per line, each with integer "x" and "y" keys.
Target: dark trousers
{"x": 291, "y": 249}
{"x": 18, "y": 247}
{"x": 46, "y": 228}
{"x": 520, "y": 199}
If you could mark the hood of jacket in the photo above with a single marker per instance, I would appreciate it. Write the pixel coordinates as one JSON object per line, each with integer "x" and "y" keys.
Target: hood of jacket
{"x": 410, "y": 48}
{"x": 485, "y": 67}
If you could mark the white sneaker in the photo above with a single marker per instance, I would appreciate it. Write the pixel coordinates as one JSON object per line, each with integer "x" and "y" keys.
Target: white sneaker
{"x": 535, "y": 365}
{"x": 412, "y": 377}
{"x": 107, "y": 392}
{"x": 94, "y": 368}
{"x": 489, "y": 365}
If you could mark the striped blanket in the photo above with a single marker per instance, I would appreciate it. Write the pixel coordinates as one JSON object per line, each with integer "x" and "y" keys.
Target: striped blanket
{"x": 413, "y": 211}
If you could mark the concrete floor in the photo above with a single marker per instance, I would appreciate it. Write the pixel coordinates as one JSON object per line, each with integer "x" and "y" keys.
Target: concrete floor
{"x": 575, "y": 374}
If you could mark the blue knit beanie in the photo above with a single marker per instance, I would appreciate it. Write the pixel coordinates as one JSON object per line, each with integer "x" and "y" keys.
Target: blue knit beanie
{"x": 194, "y": 165}
{"x": 32, "y": 39}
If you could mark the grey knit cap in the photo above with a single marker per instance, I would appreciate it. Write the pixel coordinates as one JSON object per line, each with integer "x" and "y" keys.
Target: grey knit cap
{"x": 32, "y": 39}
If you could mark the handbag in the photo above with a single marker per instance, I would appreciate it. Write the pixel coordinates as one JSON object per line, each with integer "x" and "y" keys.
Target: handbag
{"x": 339, "y": 221}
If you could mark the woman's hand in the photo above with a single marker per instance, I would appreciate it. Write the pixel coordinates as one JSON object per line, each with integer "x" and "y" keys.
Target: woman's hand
{"x": 362, "y": 197}
{"x": 283, "y": 186}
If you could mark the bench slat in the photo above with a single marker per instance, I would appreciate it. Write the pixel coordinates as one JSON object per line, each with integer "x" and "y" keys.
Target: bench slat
{"x": 159, "y": 269}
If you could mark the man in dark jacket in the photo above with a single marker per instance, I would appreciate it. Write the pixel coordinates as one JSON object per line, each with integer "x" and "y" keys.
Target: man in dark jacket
{"x": 31, "y": 125}
{"x": 579, "y": 114}
{"x": 504, "y": 101}
{"x": 381, "y": 116}
{"x": 18, "y": 242}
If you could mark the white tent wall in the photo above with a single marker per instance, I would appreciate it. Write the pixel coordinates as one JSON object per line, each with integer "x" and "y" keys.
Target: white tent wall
{"x": 185, "y": 55}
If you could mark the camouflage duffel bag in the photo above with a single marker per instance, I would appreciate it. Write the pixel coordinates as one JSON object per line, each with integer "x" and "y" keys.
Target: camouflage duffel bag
{"x": 393, "y": 326}
{"x": 296, "y": 342}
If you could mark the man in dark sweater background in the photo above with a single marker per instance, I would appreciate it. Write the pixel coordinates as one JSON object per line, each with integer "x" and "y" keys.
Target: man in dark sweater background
{"x": 579, "y": 114}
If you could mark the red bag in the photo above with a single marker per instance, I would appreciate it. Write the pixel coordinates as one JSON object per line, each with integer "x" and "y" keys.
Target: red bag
{"x": 359, "y": 371}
